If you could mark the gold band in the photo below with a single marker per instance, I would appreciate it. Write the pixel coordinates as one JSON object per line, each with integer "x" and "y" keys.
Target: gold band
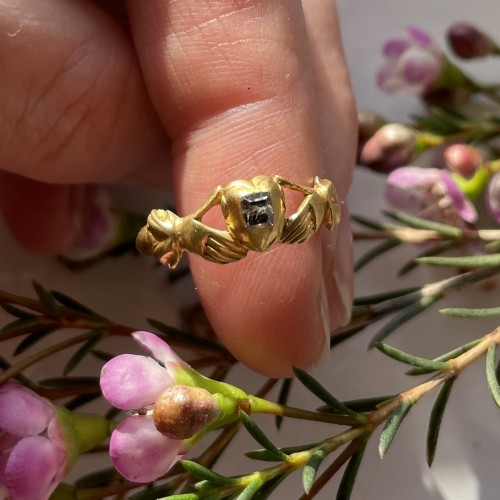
{"x": 255, "y": 216}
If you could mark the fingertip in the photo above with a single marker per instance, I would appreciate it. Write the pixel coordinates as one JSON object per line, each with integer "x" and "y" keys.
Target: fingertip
{"x": 267, "y": 308}
{"x": 41, "y": 217}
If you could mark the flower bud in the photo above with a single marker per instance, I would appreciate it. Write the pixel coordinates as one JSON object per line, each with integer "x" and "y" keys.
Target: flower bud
{"x": 181, "y": 411}
{"x": 463, "y": 159}
{"x": 469, "y": 42}
{"x": 391, "y": 146}
{"x": 368, "y": 123}
{"x": 413, "y": 63}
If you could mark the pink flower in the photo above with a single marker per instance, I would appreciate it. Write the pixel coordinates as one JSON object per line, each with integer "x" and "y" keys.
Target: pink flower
{"x": 429, "y": 193}
{"x": 133, "y": 382}
{"x": 33, "y": 455}
{"x": 413, "y": 63}
{"x": 98, "y": 224}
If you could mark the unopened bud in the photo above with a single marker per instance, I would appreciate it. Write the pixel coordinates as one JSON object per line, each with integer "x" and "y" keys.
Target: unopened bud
{"x": 391, "y": 146}
{"x": 368, "y": 123}
{"x": 469, "y": 42}
{"x": 463, "y": 159}
{"x": 181, "y": 411}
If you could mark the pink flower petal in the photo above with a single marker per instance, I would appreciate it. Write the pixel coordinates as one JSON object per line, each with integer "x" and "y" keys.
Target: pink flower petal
{"x": 419, "y": 66}
{"x": 34, "y": 468}
{"x": 388, "y": 79}
{"x": 395, "y": 46}
{"x": 462, "y": 205}
{"x": 140, "y": 453}
{"x": 404, "y": 186}
{"x": 130, "y": 381}
{"x": 157, "y": 348}
{"x": 418, "y": 36}
{"x": 24, "y": 413}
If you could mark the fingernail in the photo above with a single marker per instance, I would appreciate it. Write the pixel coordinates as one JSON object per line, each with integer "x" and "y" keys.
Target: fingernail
{"x": 324, "y": 310}
{"x": 343, "y": 270}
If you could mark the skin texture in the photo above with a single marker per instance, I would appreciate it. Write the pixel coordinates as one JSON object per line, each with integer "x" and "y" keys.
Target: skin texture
{"x": 202, "y": 92}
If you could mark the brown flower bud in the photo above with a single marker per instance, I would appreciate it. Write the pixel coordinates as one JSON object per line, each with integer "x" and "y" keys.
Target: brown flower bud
{"x": 368, "y": 123}
{"x": 468, "y": 42}
{"x": 463, "y": 159}
{"x": 181, "y": 411}
{"x": 391, "y": 146}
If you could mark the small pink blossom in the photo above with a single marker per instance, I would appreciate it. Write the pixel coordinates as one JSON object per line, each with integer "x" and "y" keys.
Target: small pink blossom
{"x": 413, "y": 63}
{"x": 429, "y": 193}
{"x": 98, "y": 225}
{"x": 33, "y": 456}
{"x": 133, "y": 382}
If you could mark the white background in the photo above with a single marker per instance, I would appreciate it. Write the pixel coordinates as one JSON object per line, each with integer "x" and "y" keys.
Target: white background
{"x": 468, "y": 456}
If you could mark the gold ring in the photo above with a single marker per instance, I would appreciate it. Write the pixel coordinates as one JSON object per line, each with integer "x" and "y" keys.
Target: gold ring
{"x": 255, "y": 215}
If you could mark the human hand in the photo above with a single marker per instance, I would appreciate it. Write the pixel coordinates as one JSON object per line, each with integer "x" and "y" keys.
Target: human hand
{"x": 217, "y": 91}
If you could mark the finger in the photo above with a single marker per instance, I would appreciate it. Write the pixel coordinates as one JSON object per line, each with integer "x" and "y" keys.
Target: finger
{"x": 233, "y": 85}
{"x": 42, "y": 217}
{"x": 337, "y": 116}
{"x": 74, "y": 105}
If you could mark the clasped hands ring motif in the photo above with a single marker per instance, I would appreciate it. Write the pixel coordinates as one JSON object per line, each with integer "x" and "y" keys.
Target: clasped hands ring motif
{"x": 255, "y": 215}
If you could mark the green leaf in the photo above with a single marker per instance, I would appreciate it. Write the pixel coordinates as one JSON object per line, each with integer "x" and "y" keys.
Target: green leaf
{"x": 259, "y": 436}
{"x": 83, "y": 399}
{"x": 32, "y": 339}
{"x": 286, "y": 386}
{"x": 420, "y": 223}
{"x": 184, "y": 496}
{"x": 73, "y": 304}
{"x": 445, "y": 357}
{"x": 374, "y": 252}
{"x": 367, "y": 404}
{"x": 491, "y": 260}
{"x": 269, "y": 457}
{"x": 351, "y": 471}
{"x": 80, "y": 354}
{"x": 203, "y": 473}
{"x": 71, "y": 382}
{"x": 436, "y": 418}
{"x": 318, "y": 390}
{"x": 409, "y": 359}
{"x": 434, "y": 250}
{"x": 392, "y": 426}
{"x": 464, "y": 312}
{"x": 250, "y": 490}
{"x": 403, "y": 316}
{"x": 311, "y": 468}
{"x": 370, "y": 223}
{"x": 382, "y": 297}
{"x": 15, "y": 311}
{"x": 20, "y": 324}
{"x": 157, "y": 492}
{"x": 185, "y": 338}
{"x": 491, "y": 374}
{"x": 47, "y": 300}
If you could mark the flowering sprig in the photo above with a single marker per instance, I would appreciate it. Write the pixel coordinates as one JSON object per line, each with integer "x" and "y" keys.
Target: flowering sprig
{"x": 164, "y": 408}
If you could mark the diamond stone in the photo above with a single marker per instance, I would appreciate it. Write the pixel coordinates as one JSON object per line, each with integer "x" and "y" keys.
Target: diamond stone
{"x": 257, "y": 210}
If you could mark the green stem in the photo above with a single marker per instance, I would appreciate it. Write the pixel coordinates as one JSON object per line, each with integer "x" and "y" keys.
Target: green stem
{"x": 258, "y": 405}
{"x": 44, "y": 353}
